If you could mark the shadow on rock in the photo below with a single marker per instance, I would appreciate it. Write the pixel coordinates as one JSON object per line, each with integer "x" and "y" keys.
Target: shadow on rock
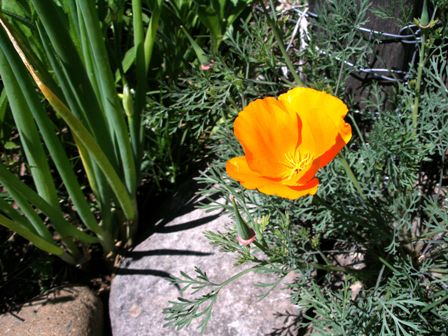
{"x": 184, "y": 226}
{"x": 289, "y": 327}
{"x": 135, "y": 255}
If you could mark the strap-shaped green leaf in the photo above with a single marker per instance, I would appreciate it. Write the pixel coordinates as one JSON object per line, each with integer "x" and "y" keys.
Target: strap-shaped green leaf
{"x": 22, "y": 193}
{"x": 108, "y": 96}
{"x": 47, "y": 129}
{"x": 29, "y": 136}
{"x": 36, "y": 224}
{"x": 32, "y": 237}
{"x": 83, "y": 136}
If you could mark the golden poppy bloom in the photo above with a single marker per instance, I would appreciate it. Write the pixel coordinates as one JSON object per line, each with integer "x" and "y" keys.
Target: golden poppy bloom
{"x": 286, "y": 140}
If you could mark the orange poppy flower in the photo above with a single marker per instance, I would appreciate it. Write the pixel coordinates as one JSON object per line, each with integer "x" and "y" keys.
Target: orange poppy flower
{"x": 286, "y": 140}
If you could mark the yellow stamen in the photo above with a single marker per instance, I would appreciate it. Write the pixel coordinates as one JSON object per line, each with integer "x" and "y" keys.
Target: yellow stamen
{"x": 296, "y": 162}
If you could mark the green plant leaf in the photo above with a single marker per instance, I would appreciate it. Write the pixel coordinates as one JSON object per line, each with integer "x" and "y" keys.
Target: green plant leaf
{"x": 32, "y": 237}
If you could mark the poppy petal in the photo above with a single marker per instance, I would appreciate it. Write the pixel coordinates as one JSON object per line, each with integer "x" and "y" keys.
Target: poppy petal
{"x": 290, "y": 192}
{"x": 322, "y": 117}
{"x": 333, "y": 151}
{"x": 267, "y": 131}
{"x": 238, "y": 169}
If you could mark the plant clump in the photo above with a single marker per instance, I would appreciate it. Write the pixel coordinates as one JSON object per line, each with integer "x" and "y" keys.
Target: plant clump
{"x": 370, "y": 247}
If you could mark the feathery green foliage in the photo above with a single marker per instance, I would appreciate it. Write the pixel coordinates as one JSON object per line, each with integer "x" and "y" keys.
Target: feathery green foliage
{"x": 366, "y": 266}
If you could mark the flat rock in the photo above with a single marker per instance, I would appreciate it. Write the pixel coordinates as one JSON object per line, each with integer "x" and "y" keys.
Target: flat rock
{"x": 141, "y": 290}
{"x": 71, "y": 311}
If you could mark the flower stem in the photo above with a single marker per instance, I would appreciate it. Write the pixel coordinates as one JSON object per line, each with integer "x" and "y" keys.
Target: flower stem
{"x": 423, "y": 23}
{"x": 279, "y": 40}
{"x": 352, "y": 176}
{"x": 418, "y": 82}
{"x": 237, "y": 276}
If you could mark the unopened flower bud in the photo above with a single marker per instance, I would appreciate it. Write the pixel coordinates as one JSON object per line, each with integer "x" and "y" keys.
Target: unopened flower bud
{"x": 205, "y": 67}
{"x": 128, "y": 101}
{"x": 245, "y": 234}
{"x": 246, "y": 242}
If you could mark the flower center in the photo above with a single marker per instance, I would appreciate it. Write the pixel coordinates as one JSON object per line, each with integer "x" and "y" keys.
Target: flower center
{"x": 296, "y": 162}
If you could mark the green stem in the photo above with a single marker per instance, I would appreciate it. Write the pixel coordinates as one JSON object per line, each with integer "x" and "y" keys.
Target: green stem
{"x": 262, "y": 246}
{"x": 338, "y": 82}
{"x": 279, "y": 40}
{"x": 358, "y": 131}
{"x": 237, "y": 276}
{"x": 418, "y": 83}
{"x": 352, "y": 176}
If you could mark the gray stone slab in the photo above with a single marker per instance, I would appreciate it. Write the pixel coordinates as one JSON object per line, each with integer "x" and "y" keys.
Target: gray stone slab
{"x": 141, "y": 291}
{"x": 70, "y": 311}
